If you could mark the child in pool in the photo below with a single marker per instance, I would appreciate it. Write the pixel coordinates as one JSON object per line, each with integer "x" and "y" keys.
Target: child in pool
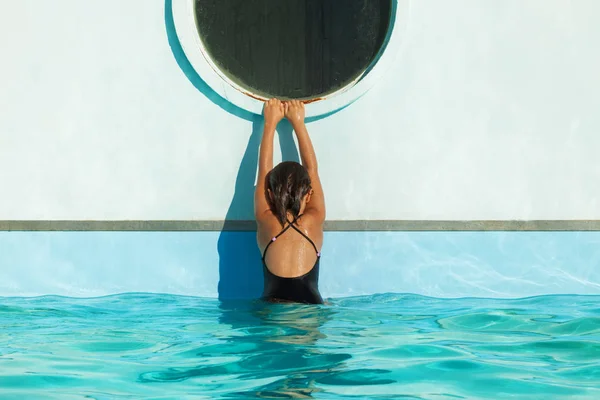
{"x": 289, "y": 206}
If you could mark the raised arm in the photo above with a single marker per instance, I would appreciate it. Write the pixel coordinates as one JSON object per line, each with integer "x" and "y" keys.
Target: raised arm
{"x": 273, "y": 113}
{"x": 295, "y": 114}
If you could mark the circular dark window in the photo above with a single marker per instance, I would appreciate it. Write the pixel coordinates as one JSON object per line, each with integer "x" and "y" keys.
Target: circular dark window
{"x": 301, "y": 49}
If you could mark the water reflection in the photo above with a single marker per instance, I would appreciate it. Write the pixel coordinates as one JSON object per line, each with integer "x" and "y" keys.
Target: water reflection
{"x": 285, "y": 341}
{"x": 261, "y": 350}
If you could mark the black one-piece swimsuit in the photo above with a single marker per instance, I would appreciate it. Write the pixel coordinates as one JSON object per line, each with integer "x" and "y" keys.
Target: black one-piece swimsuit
{"x": 301, "y": 289}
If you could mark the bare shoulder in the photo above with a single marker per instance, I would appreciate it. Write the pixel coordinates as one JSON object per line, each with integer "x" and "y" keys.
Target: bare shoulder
{"x": 266, "y": 224}
{"x": 313, "y": 219}
{"x": 312, "y": 225}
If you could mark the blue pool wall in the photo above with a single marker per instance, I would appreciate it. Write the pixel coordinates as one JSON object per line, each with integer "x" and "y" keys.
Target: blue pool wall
{"x": 227, "y": 265}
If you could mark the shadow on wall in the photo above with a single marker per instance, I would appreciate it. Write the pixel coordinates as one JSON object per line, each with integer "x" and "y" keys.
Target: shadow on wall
{"x": 240, "y": 265}
{"x": 191, "y": 73}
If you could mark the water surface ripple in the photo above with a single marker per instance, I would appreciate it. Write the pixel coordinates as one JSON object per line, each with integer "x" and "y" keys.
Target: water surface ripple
{"x": 135, "y": 346}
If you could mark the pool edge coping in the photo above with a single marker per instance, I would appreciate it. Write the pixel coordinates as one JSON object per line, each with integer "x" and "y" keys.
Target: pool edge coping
{"x": 330, "y": 226}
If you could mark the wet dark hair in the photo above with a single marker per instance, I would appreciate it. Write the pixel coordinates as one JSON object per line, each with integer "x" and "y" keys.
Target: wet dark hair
{"x": 288, "y": 182}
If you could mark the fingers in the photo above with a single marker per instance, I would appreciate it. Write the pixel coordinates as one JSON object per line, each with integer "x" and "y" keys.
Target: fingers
{"x": 294, "y": 103}
{"x": 284, "y": 106}
{"x": 274, "y": 110}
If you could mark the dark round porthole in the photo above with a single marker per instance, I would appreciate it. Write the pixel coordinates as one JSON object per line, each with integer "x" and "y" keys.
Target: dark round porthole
{"x": 301, "y": 49}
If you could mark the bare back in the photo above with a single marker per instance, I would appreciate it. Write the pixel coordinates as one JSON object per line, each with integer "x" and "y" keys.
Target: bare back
{"x": 291, "y": 255}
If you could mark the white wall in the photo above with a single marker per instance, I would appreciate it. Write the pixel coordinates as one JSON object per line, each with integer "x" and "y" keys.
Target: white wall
{"x": 490, "y": 112}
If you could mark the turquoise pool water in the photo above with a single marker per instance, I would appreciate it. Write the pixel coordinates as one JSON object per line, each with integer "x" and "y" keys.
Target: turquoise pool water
{"x": 150, "y": 346}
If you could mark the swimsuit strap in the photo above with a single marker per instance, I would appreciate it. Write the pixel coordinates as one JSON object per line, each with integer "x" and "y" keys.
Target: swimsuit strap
{"x": 291, "y": 225}
{"x": 307, "y": 238}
